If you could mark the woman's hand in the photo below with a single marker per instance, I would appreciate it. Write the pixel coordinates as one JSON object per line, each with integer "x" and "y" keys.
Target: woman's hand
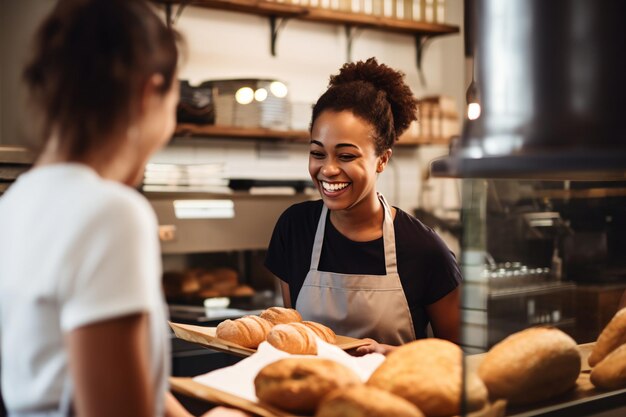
{"x": 372, "y": 347}
{"x": 225, "y": 412}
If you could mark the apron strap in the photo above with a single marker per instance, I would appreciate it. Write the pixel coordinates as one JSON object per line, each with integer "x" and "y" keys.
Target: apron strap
{"x": 389, "y": 238}
{"x": 316, "y": 253}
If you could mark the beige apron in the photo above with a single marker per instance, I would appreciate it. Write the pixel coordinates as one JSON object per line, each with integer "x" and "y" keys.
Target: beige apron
{"x": 359, "y": 306}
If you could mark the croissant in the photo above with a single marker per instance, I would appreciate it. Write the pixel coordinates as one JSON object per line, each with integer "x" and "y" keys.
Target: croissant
{"x": 293, "y": 338}
{"x": 612, "y": 337}
{"x": 280, "y": 315}
{"x": 321, "y": 331}
{"x": 610, "y": 373}
{"x": 248, "y": 331}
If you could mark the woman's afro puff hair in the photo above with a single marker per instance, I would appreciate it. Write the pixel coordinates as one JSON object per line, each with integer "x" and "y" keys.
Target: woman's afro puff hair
{"x": 375, "y": 93}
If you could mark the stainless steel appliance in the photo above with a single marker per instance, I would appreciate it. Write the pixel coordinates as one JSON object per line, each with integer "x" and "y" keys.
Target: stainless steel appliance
{"x": 553, "y": 97}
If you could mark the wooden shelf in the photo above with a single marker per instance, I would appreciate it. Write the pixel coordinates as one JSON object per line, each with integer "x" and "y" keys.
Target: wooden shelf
{"x": 231, "y": 132}
{"x": 259, "y": 133}
{"x": 314, "y": 14}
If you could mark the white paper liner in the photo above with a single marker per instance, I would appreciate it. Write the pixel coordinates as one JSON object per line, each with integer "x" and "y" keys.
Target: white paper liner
{"x": 238, "y": 379}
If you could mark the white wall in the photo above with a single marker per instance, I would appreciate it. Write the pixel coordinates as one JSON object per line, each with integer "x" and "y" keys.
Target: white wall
{"x": 231, "y": 45}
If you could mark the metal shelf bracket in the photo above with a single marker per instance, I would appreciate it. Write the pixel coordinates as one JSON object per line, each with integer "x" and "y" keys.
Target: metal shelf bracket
{"x": 421, "y": 42}
{"x": 352, "y": 32}
{"x": 171, "y": 20}
{"x": 276, "y": 26}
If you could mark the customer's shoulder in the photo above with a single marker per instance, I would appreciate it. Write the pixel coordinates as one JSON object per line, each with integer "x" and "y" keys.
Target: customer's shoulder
{"x": 119, "y": 202}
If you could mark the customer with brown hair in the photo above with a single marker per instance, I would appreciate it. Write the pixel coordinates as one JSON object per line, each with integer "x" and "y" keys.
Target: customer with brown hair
{"x": 351, "y": 261}
{"x": 82, "y": 322}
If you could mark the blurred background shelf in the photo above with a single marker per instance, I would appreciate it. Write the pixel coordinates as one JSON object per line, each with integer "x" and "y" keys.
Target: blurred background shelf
{"x": 322, "y": 15}
{"x": 294, "y": 136}
{"x": 232, "y": 132}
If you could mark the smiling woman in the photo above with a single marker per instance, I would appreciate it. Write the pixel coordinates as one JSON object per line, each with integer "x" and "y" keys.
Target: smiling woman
{"x": 351, "y": 261}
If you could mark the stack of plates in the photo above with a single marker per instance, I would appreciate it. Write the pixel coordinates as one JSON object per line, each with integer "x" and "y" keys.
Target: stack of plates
{"x": 251, "y": 103}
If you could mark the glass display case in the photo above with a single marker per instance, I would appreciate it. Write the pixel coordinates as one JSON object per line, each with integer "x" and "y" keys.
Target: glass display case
{"x": 544, "y": 253}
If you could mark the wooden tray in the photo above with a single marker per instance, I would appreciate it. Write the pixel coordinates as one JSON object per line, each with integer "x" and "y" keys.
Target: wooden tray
{"x": 189, "y": 387}
{"x": 205, "y": 336}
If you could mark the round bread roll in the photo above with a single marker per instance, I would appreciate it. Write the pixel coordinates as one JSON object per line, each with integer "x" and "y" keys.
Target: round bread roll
{"x": 532, "y": 365}
{"x": 428, "y": 373}
{"x": 248, "y": 331}
{"x": 610, "y": 373}
{"x": 613, "y": 336}
{"x": 295, "y": 338}
{"x": 299, "y": 384}
{"x": 204, "y": 277}
{"x": 242, "y": 291}
{"x": 281, "y": 315}
{"x": 321, "y": 331}
{"x": 225, "y": 274}
{"x": 364, "y": 401}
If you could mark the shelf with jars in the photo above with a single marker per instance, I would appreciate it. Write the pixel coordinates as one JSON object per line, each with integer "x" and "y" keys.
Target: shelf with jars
{"x": 423, "y": 19}
{"x": 411, "y": 138}
{"x": 221, "y": 110}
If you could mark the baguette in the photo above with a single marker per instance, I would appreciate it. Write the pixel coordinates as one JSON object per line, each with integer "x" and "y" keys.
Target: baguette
{"x": 610, "y": 373}
{"x": 532, "y": 365}
{"x": 281, "y": 315}
{"x": 295, "y": 338}
{"x": 321, "y": 331}
{"x": 613, "y": 336}
{"x": 248, "y": 331}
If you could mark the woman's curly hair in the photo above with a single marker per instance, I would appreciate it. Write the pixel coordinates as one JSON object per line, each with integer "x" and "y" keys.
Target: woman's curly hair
{"x": 374, "y": 92}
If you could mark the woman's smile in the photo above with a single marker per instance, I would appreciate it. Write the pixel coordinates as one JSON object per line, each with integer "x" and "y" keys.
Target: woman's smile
{"x": 333, "y": 189}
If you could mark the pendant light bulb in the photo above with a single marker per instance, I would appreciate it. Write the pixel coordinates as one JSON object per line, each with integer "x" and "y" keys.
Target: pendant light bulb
{"x": 473, "y": 101}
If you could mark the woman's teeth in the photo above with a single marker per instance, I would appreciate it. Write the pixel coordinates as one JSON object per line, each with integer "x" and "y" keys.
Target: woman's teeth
{"x": 334, "y": 186}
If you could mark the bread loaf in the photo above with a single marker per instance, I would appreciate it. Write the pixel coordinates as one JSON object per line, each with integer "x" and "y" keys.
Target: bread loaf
{"x": 613, "y": 336}
{"x": 299, "y": 384}
{"x": 242, "y": 291}
{"x": 248, "y": 331}
{"x": 321, "y": 331}
{"x": 532, "y": 365}
{"x": 610, "y": 373}
{"x": 281, "y": 315}
{"x": 225, "y": 280}
{"x": 428, "y": 373}
{"x": 364, "y": 401}
{"x": 295, "y": 338}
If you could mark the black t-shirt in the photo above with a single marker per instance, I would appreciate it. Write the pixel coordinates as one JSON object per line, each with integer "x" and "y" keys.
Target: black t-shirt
{"x": 428, "y": 270}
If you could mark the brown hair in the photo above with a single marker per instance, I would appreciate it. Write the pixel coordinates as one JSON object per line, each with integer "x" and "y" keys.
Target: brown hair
{"x": 91, "y": 61}
{"x": 374, "y": 92}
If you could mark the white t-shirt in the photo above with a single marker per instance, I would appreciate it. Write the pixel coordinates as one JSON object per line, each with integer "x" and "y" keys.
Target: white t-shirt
{"x": 74, "y": 249}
